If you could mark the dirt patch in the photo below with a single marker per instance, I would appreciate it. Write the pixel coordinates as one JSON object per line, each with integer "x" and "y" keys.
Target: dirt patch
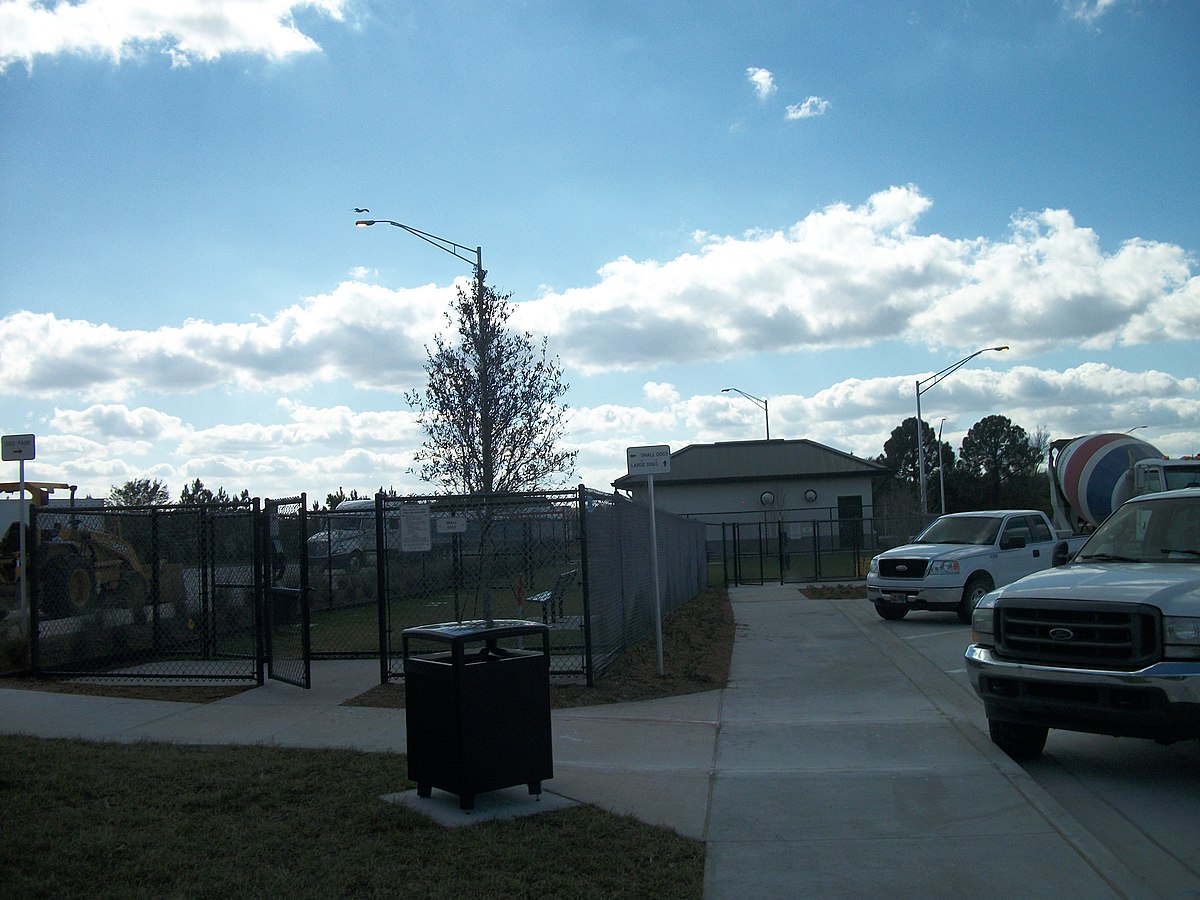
{"x": 179, "y": 694}
{"x": 834, "y": 592}
{"x": 697, "y": 647}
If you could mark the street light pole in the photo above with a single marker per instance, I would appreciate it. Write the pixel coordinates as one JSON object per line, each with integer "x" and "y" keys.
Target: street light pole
{"x": 762, "y": 404}
{"x": 484, "y": 339}
{"x": 941, "y": 467}
{"x": 922, "y": 385}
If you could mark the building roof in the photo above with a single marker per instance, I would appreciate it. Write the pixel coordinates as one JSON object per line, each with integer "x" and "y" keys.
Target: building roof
{"x": 756, "y": 460}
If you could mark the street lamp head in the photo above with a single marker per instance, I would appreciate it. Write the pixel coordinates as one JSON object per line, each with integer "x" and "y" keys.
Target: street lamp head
{"x": 1005, "y": 347}
{"x": 364, "y": 223}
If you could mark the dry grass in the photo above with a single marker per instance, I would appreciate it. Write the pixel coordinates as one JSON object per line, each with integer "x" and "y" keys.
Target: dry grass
{"x": 697, "y": 646}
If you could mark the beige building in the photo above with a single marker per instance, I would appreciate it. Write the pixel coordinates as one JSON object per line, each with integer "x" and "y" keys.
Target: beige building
{"x": 762, "y": 481}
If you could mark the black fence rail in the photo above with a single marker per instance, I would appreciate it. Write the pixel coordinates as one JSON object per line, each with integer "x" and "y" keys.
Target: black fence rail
{"x": 807, "y": 550}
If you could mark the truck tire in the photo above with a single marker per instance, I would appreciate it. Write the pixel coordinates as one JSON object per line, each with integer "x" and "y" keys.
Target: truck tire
{"x": 69, "y": 587}
{"x": 891, "y": 612}
{"x": 977, "y": 586}
{"x": 1021, "y": 742}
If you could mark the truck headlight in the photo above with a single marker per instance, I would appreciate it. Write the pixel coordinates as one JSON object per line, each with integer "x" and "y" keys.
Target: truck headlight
{"x": 983, "y": 621}
{"x": 942, "y": 567}
{"x": 1181, "y": 636}
{"x": 874, "y": 569}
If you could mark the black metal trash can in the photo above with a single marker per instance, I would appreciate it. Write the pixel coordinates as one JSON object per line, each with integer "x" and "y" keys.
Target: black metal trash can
{"x": 478, "y": 713}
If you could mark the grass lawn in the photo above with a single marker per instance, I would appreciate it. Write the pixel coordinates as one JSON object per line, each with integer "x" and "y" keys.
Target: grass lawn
{"x": 153, "y": 820}
{"x": 159, "y": 820}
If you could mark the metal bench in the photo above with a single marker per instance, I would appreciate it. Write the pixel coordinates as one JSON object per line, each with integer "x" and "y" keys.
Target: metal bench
{"x": 551, "y": 601}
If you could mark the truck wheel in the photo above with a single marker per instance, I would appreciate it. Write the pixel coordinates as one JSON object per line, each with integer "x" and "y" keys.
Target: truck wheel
{"x": 1021, "y": 742}
{"x": 972, "y": 594}
{"x": 890, "y": 612}
{"x": 70, "y": 585}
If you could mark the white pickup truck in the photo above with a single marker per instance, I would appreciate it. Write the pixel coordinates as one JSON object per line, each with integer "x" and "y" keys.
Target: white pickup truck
{"x": 1108, "y": 643}
{"x": 960, "y": 557}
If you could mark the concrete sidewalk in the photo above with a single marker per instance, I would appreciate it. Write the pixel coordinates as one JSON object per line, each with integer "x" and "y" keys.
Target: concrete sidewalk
{"x": 837, "y": 763}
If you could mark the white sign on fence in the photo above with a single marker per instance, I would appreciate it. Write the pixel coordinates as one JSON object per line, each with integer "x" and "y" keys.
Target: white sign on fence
{"x": 415, "y": 533}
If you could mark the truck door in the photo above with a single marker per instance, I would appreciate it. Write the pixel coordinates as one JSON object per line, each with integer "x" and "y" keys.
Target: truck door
{"x": 1026, "y": 545}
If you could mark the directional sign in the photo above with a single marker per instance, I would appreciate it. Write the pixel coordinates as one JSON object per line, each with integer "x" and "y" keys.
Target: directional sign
{"x": 452, "y": 525}
{"x": 18, "y": 446}
{"x": 654, "y": 460}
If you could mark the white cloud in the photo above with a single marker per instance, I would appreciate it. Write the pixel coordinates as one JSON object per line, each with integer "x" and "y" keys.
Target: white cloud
{"x": 365, "y": 333}
{"x": 841, "y": 277}
{"x": 185, "y": 30}
{"x": 813, "y": 106}
{"x": 762, "y": 80}
{"x": 1087, "y": 11}
{"x": 852, "y": 276}
{"x": 135, "y": 403}
{"x": 658, "y": 392}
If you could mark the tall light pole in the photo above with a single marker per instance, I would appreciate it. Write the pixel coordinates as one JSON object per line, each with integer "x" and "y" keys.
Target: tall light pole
{"x": 923, "y": 385}
{"x": 941, "y": 467}
{"x": 760, "y": 402}
{"x": 483, "y": 341}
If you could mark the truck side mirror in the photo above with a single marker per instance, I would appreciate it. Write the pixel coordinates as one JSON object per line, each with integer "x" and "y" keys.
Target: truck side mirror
{"x": 1012, "y": 542}
{"x": 1061, "y": 555}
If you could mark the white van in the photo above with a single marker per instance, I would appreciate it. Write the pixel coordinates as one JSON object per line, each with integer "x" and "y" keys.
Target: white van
{"x": 347, "y": 540}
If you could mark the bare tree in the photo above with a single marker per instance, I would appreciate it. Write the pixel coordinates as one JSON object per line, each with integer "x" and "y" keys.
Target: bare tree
{"x": 492, "y": 409}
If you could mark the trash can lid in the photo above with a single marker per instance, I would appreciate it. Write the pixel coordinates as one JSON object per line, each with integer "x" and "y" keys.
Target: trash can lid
{"x": 475, "y": 630}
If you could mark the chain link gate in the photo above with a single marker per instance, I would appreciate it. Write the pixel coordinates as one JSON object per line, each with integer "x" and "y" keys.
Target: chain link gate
{"x": 286, "y": 602}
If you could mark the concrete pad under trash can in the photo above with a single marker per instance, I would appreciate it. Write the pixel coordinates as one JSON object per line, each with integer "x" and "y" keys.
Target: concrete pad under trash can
{"x": 506, "y": 803}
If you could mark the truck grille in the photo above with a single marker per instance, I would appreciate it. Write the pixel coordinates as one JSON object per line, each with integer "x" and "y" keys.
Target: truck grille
{"x": 902, "y": 568}
{"x": 1087, "y": 634}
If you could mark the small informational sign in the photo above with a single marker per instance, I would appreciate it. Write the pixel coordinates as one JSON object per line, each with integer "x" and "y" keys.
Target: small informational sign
{"x": 452, "y": 525}
{"x": 415, "y": 534}
{"x": 655, "y": 460}
{"x": 18, "y": 447}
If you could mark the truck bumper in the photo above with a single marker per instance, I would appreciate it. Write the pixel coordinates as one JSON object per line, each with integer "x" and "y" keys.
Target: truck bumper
{"x": 914, "y": 596}
{"x": 1161, "y": 702}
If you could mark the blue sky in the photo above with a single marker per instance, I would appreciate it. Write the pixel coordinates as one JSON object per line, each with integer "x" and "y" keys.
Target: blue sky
{"x": 816, "y": 203}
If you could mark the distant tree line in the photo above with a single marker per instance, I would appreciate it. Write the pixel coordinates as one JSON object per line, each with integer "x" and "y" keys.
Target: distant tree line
{"x": 153, "y": 492}
{"x": 999, "y": 464}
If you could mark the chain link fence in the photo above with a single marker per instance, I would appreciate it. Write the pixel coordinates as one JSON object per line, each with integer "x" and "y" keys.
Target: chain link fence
{"x": 145, "y": 592}
{"x": 577, "y": 560}
{"x": 808, "y": 550}
{"x": 216, "y": 592}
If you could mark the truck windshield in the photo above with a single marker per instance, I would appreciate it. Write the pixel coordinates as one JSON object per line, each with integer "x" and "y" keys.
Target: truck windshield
{"x": 1161, "y": 531}
{"x": 961, "y": 530}
{"x": 1182, "y": 477}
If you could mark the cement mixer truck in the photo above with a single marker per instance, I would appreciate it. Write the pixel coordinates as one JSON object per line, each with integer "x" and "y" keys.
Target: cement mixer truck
{"x": 1092, "y": 475}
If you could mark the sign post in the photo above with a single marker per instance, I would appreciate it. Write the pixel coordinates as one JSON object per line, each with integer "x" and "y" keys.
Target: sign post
{"x": 649, "y": 461}
{"x": 20, "y": 447}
